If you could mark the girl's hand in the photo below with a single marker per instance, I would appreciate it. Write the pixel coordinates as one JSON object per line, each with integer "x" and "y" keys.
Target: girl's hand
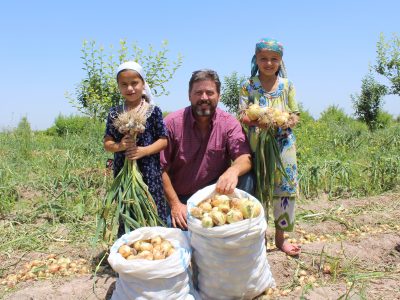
{"x": 126, "y": 142}
{"x": 136, "y": 152}
{"x": 245, "y": 120}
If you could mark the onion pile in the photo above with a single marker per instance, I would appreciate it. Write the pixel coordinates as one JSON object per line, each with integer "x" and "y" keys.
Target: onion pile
{"x": 155, "y": 248}
{"x": 222, "y": 209}
{"x": 47, "y": 268}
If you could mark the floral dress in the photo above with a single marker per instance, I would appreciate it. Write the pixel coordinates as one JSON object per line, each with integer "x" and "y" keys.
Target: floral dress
{"x": 149, "y": 166}
{"x": 283, "y": 98}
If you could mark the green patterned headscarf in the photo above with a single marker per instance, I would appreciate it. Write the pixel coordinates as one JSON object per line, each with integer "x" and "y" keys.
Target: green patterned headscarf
{"x": 268, "y": 44}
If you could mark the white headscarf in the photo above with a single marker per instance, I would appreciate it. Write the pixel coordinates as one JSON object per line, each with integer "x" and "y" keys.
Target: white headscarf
{"x": 134, "y": 66}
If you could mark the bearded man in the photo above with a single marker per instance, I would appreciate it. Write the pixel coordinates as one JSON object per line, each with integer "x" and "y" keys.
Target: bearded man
{"x": 205, "y": 145}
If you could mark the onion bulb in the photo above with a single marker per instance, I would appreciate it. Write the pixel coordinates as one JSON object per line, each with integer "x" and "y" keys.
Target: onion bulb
{"x": 156, "y": 240}
{"x": 218, "y": 218}
{"x": 233, "y": 216}
{"x": 125, "y": 251}
{"x": 250, "y": 209}
{"x": 205, "y": 206}
{"x": 207, "y": 221}
{"x": 196, "y": 212}
{"x": 253, "y": 112}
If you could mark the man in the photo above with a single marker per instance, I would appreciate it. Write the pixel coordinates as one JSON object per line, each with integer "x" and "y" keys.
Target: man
{"x": 205, "y": 145}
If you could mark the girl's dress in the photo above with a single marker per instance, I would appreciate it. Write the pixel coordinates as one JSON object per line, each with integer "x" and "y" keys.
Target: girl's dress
{"x": 282, "y": 98}
{"x": 149, "y": 166}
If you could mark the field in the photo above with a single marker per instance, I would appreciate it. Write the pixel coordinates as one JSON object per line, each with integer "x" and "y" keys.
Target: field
{"x": 52, "y": 183}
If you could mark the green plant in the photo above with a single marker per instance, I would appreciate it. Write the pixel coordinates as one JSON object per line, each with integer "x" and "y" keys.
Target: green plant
{"x": 231, "y": 91}
{"x": 98, "y": 91}
{"x": 388, "y": 61}
{"x": 368, "y": 104}
{"x": 74, "y": 124}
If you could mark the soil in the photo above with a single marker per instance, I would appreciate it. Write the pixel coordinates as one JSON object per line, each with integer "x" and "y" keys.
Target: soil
{"x": 350, "y": 250}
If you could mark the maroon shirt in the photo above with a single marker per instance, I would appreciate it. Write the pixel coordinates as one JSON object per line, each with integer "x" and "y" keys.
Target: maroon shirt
{"x": 194, "y": 162}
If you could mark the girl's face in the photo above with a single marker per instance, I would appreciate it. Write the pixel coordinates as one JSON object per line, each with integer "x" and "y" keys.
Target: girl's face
{"x": 131, "y": 86}
{"x": 268, "y": 62}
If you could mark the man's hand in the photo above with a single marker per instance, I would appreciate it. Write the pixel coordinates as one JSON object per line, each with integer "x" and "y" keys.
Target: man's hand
{"x": 227, "y": 182}
{"x": 178, "y": 215}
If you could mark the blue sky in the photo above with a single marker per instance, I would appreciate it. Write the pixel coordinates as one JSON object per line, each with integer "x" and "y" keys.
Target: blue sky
{"x": 329, "y": 46}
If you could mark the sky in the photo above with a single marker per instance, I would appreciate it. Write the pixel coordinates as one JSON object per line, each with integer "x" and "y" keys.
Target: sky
{"x": 328, "y": 47}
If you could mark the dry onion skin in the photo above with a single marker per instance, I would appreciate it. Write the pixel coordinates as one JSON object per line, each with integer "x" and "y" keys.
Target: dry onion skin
{"x": 155, "y": 248}
{"x": 222, "y": 209}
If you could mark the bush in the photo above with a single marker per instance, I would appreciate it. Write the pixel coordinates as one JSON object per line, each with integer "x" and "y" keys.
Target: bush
{"x": 384, "y": 119}
{"x": 74, "y": 124}
{"x": 334, "y": 114}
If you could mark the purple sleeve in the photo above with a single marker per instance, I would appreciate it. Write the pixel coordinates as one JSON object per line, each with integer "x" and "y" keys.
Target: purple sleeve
{"x": 237, "y": 140}
{"x": 110, "y": 129}
{"x": 159, "y": 125}
{"x": 165, "y": 155}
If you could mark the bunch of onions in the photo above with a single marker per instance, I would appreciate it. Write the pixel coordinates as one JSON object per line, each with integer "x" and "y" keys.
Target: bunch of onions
{"x": 155, "y": 248}
{"x": 267, "y": 158}
{"x": 128, "y": 199}
{"x": 222, "y": 209}
{"x": 270, "y": 117}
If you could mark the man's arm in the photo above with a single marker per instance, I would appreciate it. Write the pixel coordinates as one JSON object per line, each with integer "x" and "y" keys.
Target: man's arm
{"x": 178, "y": 209}
{"x": 228, "y": 181}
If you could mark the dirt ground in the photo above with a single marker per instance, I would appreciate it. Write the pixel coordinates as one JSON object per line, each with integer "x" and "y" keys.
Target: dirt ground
{"x": 348, "y": 252}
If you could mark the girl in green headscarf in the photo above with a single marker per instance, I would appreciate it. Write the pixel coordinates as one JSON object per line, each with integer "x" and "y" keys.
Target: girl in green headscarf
{"x": 269, "y": 87}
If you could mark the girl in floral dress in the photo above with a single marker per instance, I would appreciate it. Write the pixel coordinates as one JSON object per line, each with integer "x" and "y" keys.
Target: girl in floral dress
{"x": 137, "y": 96}
{"x": 268, "y": 87}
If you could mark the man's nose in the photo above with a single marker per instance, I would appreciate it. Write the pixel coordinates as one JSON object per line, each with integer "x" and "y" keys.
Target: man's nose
{"x": 204, "y": 95}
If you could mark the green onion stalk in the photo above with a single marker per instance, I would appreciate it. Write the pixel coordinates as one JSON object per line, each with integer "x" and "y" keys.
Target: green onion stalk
{"x": 128, "y": 201}
{"x": 267, "y": 165}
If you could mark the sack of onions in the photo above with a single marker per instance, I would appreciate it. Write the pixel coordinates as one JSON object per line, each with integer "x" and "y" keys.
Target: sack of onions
{"x": 228, "y": 241}
{"x": 152, "y": 263}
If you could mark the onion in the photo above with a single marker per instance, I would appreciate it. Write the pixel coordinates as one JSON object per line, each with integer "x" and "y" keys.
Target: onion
{"x": 125, "y": 251}
{"x": 196, "y": 212}
{"x": 131, "y": 257}
{"x": 157, "y": 255}
{"x": 253, "y": 112}
{"x": 218, "y": 218}
{"x": 233, "y": 216}
{"x": 145, "y": 255}
{"x": 250, "y": 209}
{"x": 165, "y": 246}
{"x": 224, "y": 207}
{"x": 146, "y": 246}
{"x": 205, "y": 206}
{"x": 54, "y": 268}
{"x": 136, "y": 245}
{"x": 207, "y": 221}
{"x": 156, "y": 240}
{"x": 220, "y": 199}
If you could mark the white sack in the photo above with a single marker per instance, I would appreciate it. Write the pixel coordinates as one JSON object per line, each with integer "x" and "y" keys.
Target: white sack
{"x": 152, "y": 279}
{"x": 230, "y": 260}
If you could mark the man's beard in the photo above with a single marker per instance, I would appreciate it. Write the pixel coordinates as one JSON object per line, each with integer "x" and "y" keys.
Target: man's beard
{"x": 203, "y": 112}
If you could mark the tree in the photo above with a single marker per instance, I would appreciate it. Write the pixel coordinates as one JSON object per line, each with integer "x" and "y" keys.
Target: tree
{"x": 368, "y": 105}
{"x": 388, "y": 62}
{"x": 231, "y": 91}
{"x": 98, "y": 91}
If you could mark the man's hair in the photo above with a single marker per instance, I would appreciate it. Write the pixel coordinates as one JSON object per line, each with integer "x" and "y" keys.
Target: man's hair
{"x": 205, "y": 74}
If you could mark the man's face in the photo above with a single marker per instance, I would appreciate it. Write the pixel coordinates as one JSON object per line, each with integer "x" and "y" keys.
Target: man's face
{"x": 204, "y": 98}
